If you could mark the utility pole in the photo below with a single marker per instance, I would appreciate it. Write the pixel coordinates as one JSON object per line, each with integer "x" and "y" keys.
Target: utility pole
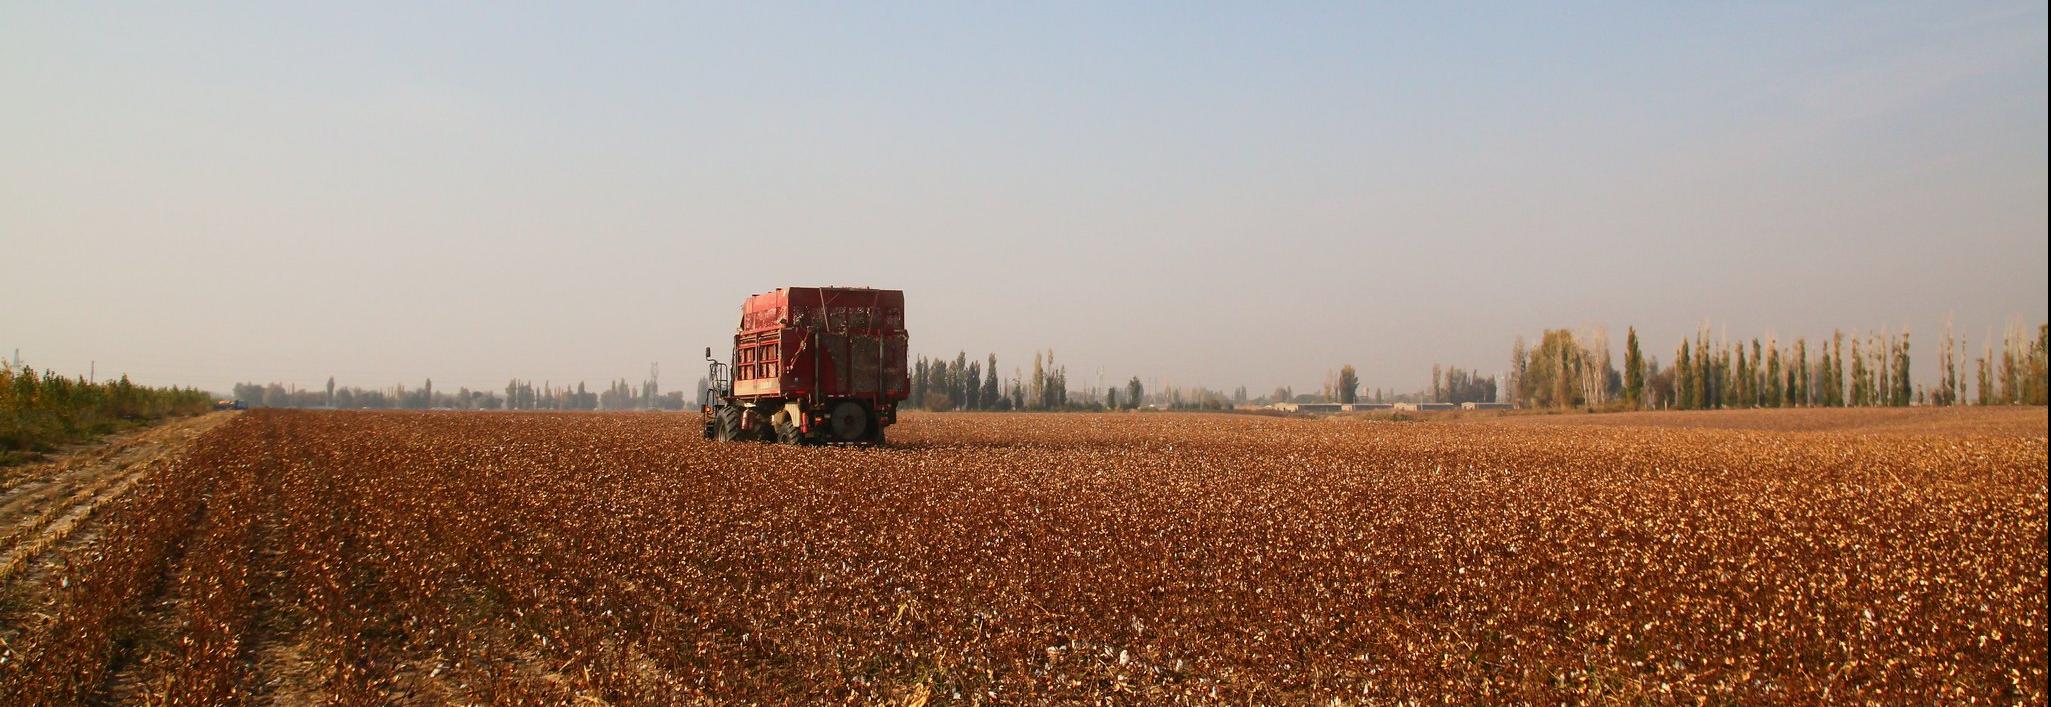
{"x": 92, "y": 376}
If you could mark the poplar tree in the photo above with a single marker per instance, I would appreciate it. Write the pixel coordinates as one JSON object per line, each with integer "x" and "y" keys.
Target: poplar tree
{"x": 918, "y": 383}
{"x": 1520, "y": 363}
{"x": 1758, "y": 376}
{"x": 972, "y": 391}
{"x": 1684, "y": 379}
{"x": 1904, "y": 390}
{"x": 1859, "y": 378}
{"x": 1776, "y": 388}
{"x": 1836, "y": 379}
{"x": 990, "y": 395}
{"x": 1987, "y": 376}
{"x": 1634, "y": 370}
{"x": 1798, "y": 392}
{"x": 1743, "y": 392}
{"x": 958, "y": 379}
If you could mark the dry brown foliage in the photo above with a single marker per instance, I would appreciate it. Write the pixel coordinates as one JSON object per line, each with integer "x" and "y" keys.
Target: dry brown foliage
{"x": 540, "y": 558}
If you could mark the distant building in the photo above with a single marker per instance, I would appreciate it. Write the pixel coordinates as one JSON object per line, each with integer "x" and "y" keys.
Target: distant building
{"x": 1488, "y": 406}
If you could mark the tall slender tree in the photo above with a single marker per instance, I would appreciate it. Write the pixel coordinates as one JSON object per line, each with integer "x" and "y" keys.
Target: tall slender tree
{"x": 1519, "y": 364}
{"x": 1776, "y": 387}
{"x": 1634, "y": 370}
{"x": 1684, "y": 379}
{"x": 1904, "y": 391}
{"x": 990, "y": 395}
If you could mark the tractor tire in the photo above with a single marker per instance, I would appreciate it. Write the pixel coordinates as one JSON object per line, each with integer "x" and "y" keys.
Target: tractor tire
{"x": 788, "y": 433}
{"x": 729, "y": 420}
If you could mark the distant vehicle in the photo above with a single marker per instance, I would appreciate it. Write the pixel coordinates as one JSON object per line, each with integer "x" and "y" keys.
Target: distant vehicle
{"x": 230, "y": 405}
{"x": 811, "y": 365}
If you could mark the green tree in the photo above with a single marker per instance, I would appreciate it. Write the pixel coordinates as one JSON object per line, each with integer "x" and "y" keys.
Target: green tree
{"x": 1836, "y": 377}
{"x": 1744, "y": 380}
{"x": 972, "y": 391}
{"x": 1037, "y": 392}
{"x": 1349, "y": 384}
{"x": 1903, "y": 388}
{"x": 1986, "y": 377}
{"x": 2037, "y": 369}
{"x": 1776, "y": 384}
{"x": 1684, "y": 379}
{"x": 1555, "y": 373}
{"x": 958, "y": 379}
{"x": 1519, "y": 366}
{"x": 1798, "y": 390}
{"x": 990, "y": 394}
{"x": 1859, "y": 378}
{"x": 1634, "y": 370}
{"x": 1135, "y": 394}
{"x": 918, "y": 392}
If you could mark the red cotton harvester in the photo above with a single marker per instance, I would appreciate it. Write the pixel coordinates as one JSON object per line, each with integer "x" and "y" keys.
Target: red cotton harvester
{"x": 811, "y": 365}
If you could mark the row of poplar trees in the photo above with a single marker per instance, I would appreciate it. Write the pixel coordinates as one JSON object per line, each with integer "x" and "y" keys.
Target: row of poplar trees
{"x": 965, "y": 384}
{"x": 1707, "y": 376}
{"x": 1845, "y": 371}
{"x": 1873, "y": 371}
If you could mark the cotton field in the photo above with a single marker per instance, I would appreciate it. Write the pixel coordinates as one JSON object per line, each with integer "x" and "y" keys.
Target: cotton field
{"x": 1011, "y": 558}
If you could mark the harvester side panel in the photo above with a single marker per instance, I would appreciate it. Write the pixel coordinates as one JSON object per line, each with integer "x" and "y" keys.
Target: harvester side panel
{"x": 815, "y": 343}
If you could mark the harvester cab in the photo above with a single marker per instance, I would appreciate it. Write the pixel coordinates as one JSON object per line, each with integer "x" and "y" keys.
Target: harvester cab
{"x": 719, "y": 383}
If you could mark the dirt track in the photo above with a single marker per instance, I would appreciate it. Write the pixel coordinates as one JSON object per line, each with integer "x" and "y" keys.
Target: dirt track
{"x": 47, "y": 501}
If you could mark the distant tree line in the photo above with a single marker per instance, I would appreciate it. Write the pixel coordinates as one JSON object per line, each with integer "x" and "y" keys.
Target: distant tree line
{"x": 517, "y": 395}
{"x": 39, "y": 411}
{"x": 938, "y": 384}
{"x": 2018, "y": 376}
{"x": 1457, "y": 386}
{"x": 962, "y": 383}
{"x": 1176, "y": 397}
{"x": 1845, "y": 371}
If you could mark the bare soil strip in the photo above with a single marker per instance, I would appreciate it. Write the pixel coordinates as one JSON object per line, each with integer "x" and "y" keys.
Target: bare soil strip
{"x": 52, "y": 510}
{"x": 53, "y": 498}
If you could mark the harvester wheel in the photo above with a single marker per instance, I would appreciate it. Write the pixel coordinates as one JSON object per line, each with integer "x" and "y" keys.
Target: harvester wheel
{"x": 849, "y": 422}
{"x": 788, "y": 432}
{"x": 729, "y": 424}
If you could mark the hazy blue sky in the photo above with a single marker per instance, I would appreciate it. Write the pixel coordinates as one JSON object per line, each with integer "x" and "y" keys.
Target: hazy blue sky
{"x": 1201, "y": 194}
